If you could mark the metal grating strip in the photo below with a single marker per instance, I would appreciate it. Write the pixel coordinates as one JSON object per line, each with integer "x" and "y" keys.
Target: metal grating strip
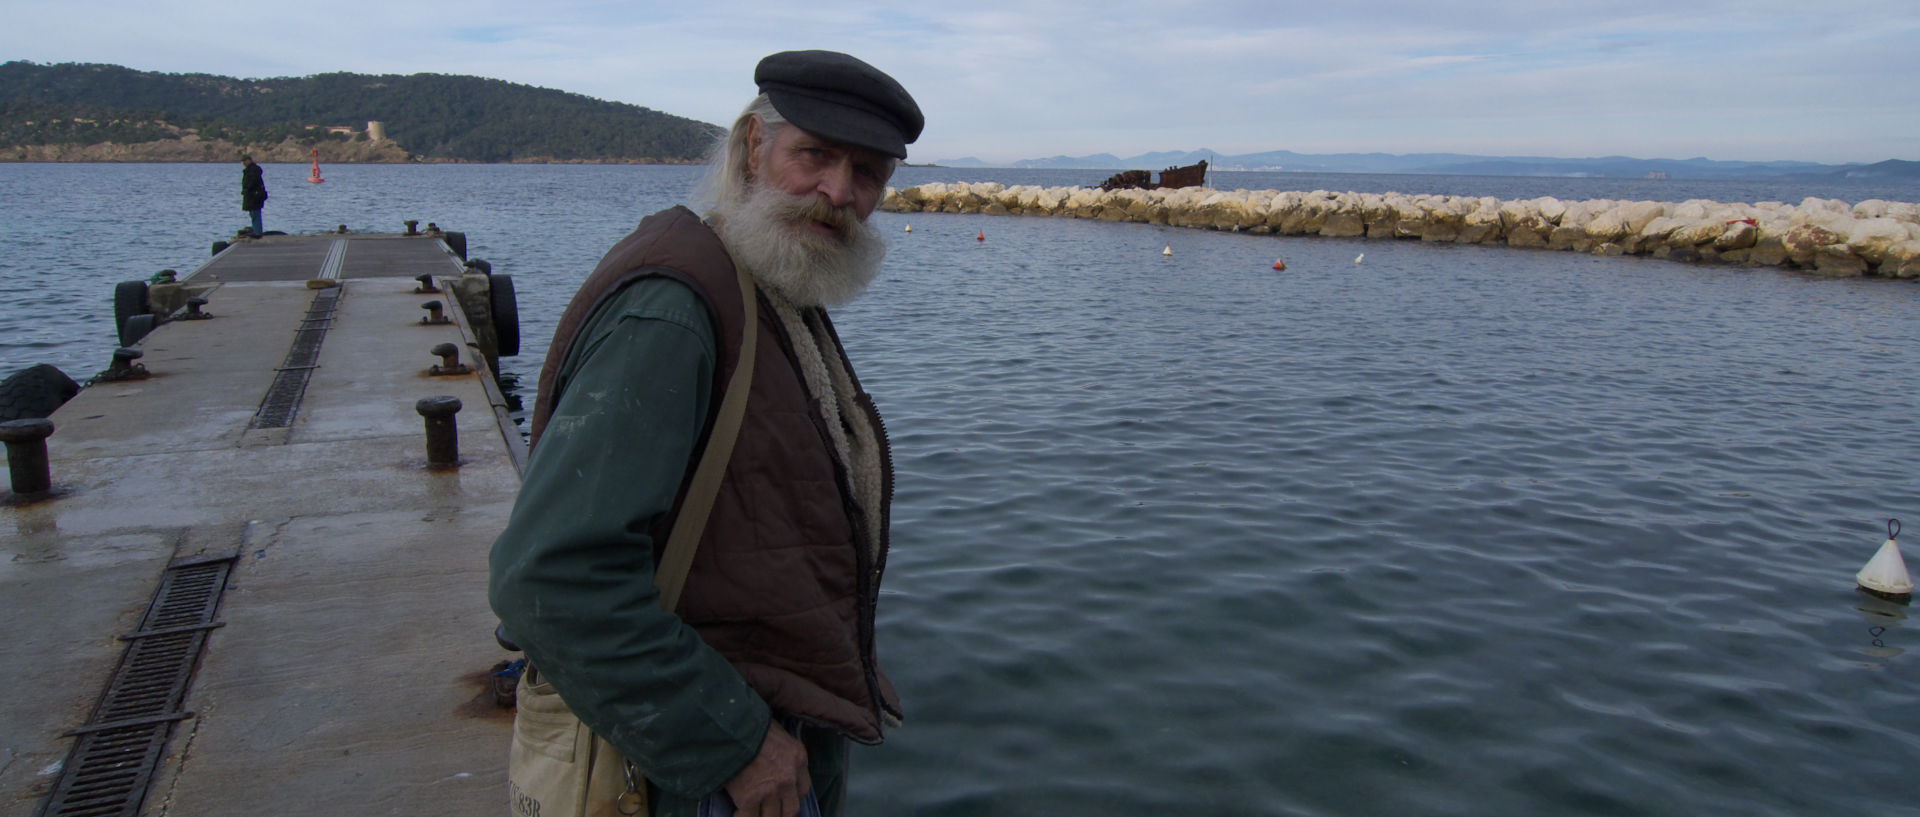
{"x": 116, "y": 752}
{"x": 282, "y": 402}
{"x": 336, "y": 258}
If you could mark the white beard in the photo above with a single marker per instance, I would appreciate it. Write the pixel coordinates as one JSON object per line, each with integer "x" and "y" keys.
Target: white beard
{"x": 768, "y": 234}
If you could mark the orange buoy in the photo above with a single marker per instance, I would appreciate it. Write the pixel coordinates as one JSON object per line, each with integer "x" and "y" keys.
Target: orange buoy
{"x": 315, "y": 178}
{"x": 983, "y": 235}
{"x": 1279, "y": 264}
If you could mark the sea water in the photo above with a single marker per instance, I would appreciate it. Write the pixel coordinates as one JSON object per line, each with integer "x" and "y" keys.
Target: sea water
{"x": 1459, "y": 530}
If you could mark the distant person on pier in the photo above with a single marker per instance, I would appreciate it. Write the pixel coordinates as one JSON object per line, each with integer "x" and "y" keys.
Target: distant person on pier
{"x": 754, "y": 685}
{"x": 253, "y": 192}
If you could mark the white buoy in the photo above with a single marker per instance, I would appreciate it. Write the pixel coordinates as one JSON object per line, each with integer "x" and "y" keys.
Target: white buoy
{"x": 1359, "y": 258}
{"x": 909, "y": 228}
{"x": 1886, "y": 573}
{"x": 1167, "y": 250}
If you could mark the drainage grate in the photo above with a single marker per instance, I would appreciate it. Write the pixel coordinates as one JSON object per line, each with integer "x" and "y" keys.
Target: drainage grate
{"x": 115, "y": 754}
{"x": 290, "y": 385}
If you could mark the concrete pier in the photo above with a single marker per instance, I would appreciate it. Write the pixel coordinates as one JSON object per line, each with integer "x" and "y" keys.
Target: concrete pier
{"x": 344, "y": 669}
{"x": 1826, "y": 236}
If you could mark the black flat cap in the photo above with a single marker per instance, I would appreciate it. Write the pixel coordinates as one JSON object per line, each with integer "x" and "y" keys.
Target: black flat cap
{"x": 841, "y": 98}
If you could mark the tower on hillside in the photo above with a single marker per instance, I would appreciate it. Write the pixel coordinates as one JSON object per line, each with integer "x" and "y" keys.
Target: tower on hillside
{"x": 376, "y": 131}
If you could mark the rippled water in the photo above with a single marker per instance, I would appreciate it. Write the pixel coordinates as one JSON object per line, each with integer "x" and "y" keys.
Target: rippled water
{"x": 1456, "y": 531}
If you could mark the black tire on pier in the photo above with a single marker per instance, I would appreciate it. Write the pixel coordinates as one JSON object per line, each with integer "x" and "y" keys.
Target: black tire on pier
{"x": 506, "y": 313}
{"x": 136, "y": 328}
{"x": 456, "y": 242}
{"x": 129, "y": 299}
{"x": 34, "y": 392}
{"x": 218, "y": 246}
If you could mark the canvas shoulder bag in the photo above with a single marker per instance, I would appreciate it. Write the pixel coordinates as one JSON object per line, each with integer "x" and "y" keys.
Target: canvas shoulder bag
{"x": 557, "y": 767}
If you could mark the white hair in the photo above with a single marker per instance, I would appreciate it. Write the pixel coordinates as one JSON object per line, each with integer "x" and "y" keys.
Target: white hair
{"x": 727, "y": 182}
{"x": 754, "y": 221}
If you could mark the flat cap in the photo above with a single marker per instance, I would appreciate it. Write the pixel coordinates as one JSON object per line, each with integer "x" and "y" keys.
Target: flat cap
{"x": 839, "y": 97}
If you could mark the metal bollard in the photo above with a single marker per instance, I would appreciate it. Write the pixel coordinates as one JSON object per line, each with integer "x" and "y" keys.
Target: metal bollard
{"x": 412, "y": 226}
{"x": 449, "y": 360}
{"x": 27, "y": 453}
{"x": 426, "y": 283}
{"x": 343, "y": 229}
{"x": 124, "y": 367}
{"x": 443, "y": 432}
{"x": 434, "y": 313}
{"x": 193, "y": 309}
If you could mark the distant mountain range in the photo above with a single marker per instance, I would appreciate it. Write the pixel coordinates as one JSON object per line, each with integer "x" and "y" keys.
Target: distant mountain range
{"x": 1468, "y": 165}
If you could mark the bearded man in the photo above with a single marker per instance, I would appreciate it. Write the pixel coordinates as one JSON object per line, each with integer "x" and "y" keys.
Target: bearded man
{"x": 758, "y": 682}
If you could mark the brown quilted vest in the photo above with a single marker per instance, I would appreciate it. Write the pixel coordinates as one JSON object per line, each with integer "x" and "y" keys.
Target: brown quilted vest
{"x": 783, "y": 583}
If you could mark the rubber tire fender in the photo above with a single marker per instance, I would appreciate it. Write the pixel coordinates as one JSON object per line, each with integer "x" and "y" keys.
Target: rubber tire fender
{"x": 456, "y": 242}
{"x": 136, "y": 328}
{"x": 129, "y": 299}
{"x": 35, "y": 392}
{"x": 506, "y": 313}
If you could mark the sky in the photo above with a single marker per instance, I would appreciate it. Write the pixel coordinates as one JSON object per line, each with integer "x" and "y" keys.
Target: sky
{"x": 1002, "y": 80}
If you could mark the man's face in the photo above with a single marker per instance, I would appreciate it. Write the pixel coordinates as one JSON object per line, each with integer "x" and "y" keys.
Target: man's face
{"x": 802, "y": 228}
{"x": 802, "y": 164}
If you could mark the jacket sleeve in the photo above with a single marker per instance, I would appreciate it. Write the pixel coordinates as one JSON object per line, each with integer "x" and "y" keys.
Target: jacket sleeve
{"x": 572, "y": 575}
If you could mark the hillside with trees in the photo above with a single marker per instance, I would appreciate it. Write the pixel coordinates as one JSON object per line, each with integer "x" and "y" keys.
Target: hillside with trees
{"x": 91, "y": 112}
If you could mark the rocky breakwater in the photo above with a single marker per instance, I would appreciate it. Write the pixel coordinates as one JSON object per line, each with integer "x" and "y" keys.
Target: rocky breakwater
{"x": 1826, "y": 236}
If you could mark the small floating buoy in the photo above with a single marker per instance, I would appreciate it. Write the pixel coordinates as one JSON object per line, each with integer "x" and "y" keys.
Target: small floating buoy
{"x": 1279, "y": 264}
{"x": 1359, "y": 258}
{"x": 909, "y": 228}
{"x": 1168, "y": 250}
{"x": 983, "y": 235}
{"x": 1886, "y": 573}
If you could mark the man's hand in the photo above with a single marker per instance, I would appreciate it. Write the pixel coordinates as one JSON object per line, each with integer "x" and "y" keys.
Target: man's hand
{"x": 774, "y": 781}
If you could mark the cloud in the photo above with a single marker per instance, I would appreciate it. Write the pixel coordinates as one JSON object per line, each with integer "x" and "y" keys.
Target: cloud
{"x": 1756, "y": 79}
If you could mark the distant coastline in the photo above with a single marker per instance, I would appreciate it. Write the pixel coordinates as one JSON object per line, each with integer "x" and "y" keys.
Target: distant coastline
{"x": 76, "y": 112}
{"x": 192, "y": 149}
{"x": 189, "y": 154}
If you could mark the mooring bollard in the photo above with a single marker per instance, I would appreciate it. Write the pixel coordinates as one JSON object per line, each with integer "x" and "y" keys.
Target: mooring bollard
{"x": 124, "y": 367}
{"x": 27, "y": 453}
{"x": 193, "y": 309}
{"x": 426, "y": 283}
{"x": 412, "y": 227}
{"x": 449, "y": 360}
{"x": 443, "y": 432}
{"x": 434, "y": 313}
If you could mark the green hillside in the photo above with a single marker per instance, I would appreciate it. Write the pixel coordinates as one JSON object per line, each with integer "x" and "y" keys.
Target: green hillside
{"x": 433, "y": 116}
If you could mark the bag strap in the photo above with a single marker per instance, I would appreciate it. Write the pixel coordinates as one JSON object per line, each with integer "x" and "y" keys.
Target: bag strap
{"x": 671, "y": 576}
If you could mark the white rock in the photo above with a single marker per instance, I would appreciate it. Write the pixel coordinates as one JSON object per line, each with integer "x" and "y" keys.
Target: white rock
{"x": 1549, "y": 208}
{"x": 1812, "y": 204}
{"x": 1662, "y": 226}
{"x": 1640, "y": 213}
{"x": 1873, "y": 238}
